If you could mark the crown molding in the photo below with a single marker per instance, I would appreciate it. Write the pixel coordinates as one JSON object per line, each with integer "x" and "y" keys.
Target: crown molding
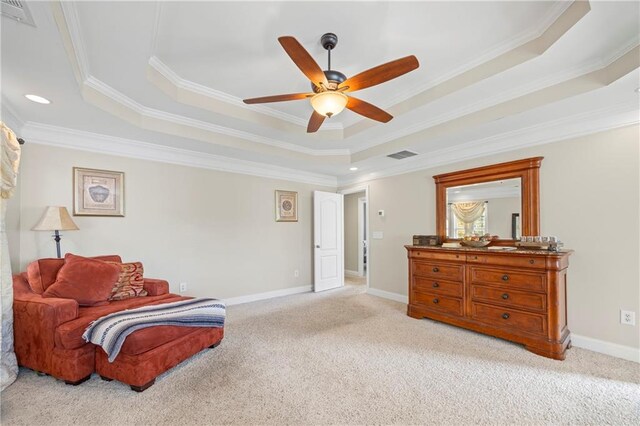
{"x": 144, "y": 111}
{"x": 62, "y": 137}
{"x": 180, "y": 83}
{"x": 554, "y": 131}
{"x": 625, "y": 48}
{"x": 70, "y": 16}
{"x": 620, "y": 115}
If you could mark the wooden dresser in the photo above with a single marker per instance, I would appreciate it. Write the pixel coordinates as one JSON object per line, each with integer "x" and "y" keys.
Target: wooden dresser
{"x": 517, "y": 295}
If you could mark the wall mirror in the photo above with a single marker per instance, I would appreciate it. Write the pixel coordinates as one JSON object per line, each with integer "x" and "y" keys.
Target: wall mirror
{"x": 501, "y": 200}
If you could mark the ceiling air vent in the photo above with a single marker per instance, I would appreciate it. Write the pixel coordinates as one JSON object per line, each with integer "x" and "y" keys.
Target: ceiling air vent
{"x": 402, "y": 155}
{"x": 17, "y": 10}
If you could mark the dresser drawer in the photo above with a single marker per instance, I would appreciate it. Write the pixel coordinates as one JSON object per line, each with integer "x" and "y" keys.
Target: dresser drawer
{"x": 508, "y": 278}
{"x": 445, "y": 271}
{"x": 509, "y": 318}
{"x": 433, "y": 255}
{"x": 437, "y": 286}
{"x": 438, "y": 303}
{"x": 535, "y": 262}
{"x": 509, "y": 298}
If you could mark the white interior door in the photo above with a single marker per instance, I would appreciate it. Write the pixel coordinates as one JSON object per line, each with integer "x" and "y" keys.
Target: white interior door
{"x": 328, "y": 258}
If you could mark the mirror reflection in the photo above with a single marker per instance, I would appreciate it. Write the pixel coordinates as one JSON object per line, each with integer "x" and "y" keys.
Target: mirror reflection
{"x": 485, "y": 208}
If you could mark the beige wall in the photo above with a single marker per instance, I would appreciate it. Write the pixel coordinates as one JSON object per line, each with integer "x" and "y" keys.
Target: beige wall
{"x": 214, "y": 230}
{"x": 351, "y": 231}
{"x": 589, "y": 199}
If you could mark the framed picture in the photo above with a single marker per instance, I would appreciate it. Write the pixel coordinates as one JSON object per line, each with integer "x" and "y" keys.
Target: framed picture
{"x": 286, "y": 206}
{"x": 98, "y": 192}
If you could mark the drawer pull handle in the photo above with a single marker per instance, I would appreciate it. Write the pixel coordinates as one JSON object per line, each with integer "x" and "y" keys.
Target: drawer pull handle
{"x": 436, "y": 285}
{"x": 436, "y": 300}
{"x": 531, "y": 261}
{"x": 505, "y": 277}
{"x": 436, "y": 269}
{"x": 505, "y": 296}
{"x": 505, "y": 316}
{"x": 417, "y": 253}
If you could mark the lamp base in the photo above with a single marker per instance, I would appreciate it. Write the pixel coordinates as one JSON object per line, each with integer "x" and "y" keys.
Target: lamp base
{"x": 57, "y": 238}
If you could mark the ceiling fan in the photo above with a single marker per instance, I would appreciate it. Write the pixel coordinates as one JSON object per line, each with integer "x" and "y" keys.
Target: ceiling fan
{"x": 329, "y": 87}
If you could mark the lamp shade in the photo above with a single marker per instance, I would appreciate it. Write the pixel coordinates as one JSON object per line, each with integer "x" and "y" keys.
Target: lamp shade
{"x": 55, "y": 219}
{"x": 329, "y": 103}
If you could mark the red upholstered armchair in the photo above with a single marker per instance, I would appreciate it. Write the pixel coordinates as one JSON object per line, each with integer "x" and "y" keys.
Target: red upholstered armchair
{"x": 45, "y": 341}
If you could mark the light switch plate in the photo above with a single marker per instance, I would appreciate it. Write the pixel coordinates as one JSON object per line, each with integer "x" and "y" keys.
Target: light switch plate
{"x": 377, "y": 235}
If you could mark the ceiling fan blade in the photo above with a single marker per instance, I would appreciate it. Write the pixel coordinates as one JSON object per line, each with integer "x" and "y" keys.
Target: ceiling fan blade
{"x": 315, "y": 122}
{"x": 278, "y": 98}
{"x": 303, "y": 60}
{"x": 366, "y": 109}
{"x": 381, "y": 73}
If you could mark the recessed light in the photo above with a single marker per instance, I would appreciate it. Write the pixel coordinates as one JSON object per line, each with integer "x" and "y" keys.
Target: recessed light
{"x": 353, "y": 169}
{"x": 637, "y": 89}
{"x": 38, "y": 99}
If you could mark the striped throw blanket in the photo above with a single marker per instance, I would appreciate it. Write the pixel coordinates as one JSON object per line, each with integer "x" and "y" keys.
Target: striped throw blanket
{"x": 110, "y": 331}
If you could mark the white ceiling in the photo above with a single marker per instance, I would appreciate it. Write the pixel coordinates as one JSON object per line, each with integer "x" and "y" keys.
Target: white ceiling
{"x": 493, "y": 75}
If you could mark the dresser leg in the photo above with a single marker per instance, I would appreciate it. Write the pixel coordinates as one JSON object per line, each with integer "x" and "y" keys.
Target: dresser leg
{"x": 560, "y": 356}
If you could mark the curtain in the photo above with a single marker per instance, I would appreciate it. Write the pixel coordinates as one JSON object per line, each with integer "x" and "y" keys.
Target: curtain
{"x": 468, "y": 213}
{"x": 9, "y": 162}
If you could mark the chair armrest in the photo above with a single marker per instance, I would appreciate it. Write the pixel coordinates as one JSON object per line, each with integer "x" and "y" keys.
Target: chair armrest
{"x": 156, "y": 287}
{"x": 43, "y": 312}
{"x": 35, "y": 320}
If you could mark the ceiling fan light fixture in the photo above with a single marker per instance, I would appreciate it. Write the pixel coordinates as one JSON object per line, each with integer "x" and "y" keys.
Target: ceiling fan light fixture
{"x": 329, "y": 103}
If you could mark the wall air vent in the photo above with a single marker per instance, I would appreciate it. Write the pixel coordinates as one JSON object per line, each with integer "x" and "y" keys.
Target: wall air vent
{"x": 18, "y": 11}
{"x": 402, "y": 155}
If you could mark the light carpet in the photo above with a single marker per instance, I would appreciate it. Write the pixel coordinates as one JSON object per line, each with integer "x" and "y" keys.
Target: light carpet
{"x": 345, "y": 357}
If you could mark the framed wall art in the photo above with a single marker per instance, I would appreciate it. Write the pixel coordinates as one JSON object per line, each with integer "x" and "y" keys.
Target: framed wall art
{"x": 286, "y": 206}
{"x": 98, "y": 192}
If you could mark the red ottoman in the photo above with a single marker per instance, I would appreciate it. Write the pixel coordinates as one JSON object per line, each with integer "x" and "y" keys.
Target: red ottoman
{"x": 149, "y": 352}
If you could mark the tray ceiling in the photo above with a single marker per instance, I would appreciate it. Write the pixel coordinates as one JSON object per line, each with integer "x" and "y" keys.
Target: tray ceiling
{"x": 174, "y": 73}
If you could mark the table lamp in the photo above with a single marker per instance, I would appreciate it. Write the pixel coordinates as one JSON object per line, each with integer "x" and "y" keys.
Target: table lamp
{"x": 56, "y": 219}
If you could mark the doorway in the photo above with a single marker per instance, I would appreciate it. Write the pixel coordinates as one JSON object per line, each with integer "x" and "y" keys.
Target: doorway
{"x": 357, "y": 251}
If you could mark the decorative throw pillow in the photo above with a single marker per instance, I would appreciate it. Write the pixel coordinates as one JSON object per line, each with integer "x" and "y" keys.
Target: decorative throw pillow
{"x": 42, "y": 273}
{"x": 88, "y": 281}
{"x": 130, "y": 282}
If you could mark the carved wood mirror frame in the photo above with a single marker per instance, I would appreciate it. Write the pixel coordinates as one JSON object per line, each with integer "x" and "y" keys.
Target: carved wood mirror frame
{"x": 528, "y": 170}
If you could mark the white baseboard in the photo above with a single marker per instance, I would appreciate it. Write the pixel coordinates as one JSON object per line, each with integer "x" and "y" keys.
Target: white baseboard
{"x": 613, "y": 349}
{"x": 619, "y": 351}
{"x": 267, "y": 295}
{"x": 388, "y": 295}
{"x": 349, "y": 273}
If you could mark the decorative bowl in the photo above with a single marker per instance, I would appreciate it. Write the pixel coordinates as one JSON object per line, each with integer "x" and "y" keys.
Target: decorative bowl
{"x": 475, "y": 243}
